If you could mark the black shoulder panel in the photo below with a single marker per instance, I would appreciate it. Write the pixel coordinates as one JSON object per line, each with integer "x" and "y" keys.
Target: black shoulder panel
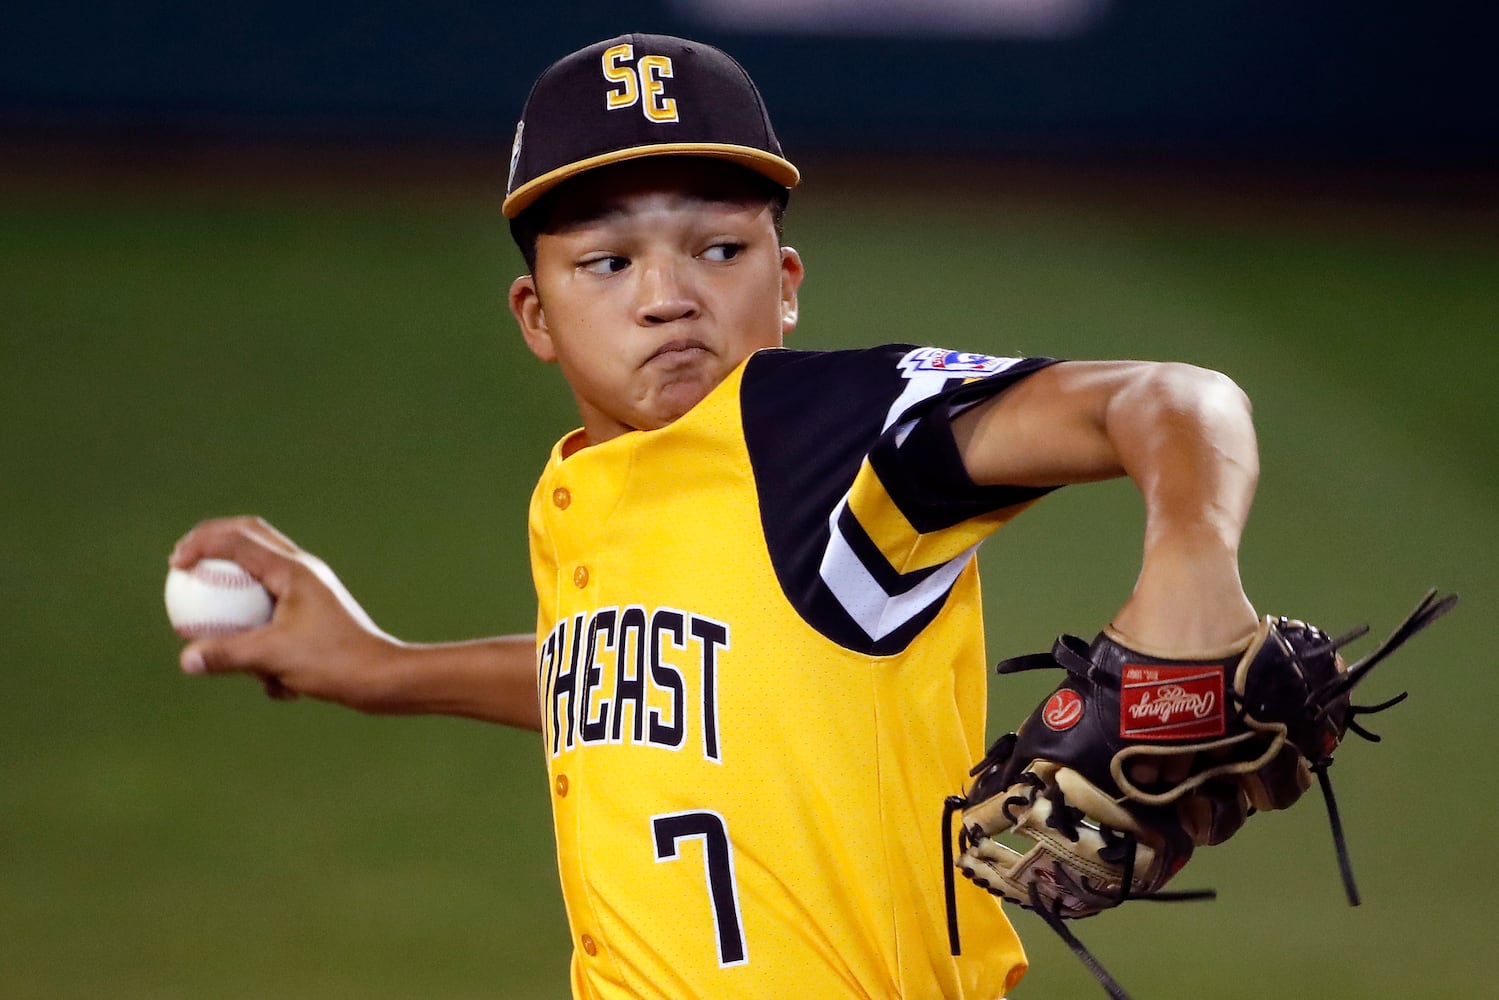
{"x": 810, "y": 419}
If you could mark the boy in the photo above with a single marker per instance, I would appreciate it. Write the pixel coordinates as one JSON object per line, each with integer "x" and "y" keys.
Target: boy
{"x": 758, "y": 665}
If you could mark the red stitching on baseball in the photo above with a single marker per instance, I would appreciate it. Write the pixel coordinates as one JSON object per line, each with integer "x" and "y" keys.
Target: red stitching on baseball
{"x": 209, "y": 629}
{"x": 237, "y": 579}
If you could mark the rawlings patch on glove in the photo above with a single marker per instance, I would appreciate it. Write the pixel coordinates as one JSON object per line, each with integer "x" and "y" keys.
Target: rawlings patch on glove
{"x": 1103, "y": 793}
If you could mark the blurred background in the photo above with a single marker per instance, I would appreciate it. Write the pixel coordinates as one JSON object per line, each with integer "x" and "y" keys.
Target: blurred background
{"x": 252, "y": 260}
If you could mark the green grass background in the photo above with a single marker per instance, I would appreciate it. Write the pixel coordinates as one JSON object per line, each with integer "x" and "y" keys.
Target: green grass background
{"x": 340, "y": 360}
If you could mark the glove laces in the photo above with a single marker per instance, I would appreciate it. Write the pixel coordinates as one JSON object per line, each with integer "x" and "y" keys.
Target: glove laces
{"x": 1070, "y": 653}
{"x": 1323, "y": 699}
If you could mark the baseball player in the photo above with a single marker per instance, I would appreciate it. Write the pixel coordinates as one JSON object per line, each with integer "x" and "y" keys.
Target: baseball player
{"x": 758, "y": 666}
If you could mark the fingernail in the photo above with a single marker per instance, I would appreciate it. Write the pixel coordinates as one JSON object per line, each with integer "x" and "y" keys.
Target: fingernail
{"x": 192, "y": 662}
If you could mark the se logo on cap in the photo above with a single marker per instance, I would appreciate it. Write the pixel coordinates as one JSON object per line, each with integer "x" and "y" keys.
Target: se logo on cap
{"x": 643, "y": 78}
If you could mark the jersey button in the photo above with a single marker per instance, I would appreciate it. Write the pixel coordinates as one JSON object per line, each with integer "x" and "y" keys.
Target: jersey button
{"x": 580, "y": 577}
{"x": 561, "y": 785}
{"x": 562, "y": 497}
{"x": 590, "y": 946}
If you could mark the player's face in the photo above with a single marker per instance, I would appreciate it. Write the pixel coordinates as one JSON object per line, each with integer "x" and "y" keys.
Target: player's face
{"x": 652, "y": 284}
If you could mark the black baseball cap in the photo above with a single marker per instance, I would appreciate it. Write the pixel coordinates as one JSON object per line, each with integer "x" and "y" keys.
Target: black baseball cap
{"x": 635, "y": 96}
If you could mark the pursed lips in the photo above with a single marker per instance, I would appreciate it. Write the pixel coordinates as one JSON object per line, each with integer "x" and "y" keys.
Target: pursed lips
{"x": 672, "y": 347}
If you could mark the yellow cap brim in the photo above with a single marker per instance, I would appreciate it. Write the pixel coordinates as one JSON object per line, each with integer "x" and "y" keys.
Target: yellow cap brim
{"x": 766, "y": 164}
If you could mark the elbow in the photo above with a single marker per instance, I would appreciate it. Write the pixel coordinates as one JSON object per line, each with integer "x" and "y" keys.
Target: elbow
{"x": 1211, "y": 408}
{"x": 1226, "y": 391}
{"x": 1183, "y": 406}
{"x": 1203, "y": 393}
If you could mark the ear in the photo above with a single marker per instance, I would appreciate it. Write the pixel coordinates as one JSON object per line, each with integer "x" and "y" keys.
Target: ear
{"x": 792, "y": 273}
{"x": 525, "y": 306}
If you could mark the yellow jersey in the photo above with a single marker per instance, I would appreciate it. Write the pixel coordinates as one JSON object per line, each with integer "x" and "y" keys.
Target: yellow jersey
{"x": 761, "y": 670}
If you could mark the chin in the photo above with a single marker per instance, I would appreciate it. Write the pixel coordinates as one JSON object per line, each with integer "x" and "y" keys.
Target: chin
{"x": 676, "y": 401}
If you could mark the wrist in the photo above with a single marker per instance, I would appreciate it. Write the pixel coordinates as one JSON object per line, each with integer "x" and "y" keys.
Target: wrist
{"x": 1212, "y": 534}
{"x": 388, "y": 669}
{"x": 1188, "y": 600}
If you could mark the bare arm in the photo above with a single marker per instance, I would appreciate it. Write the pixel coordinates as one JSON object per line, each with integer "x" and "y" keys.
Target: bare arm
{"x": 1186, "y": 438}
{"x": 322, "y": 644}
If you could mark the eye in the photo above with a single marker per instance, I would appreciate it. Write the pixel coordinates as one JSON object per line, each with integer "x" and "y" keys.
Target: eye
{"x": 604, "y": 264}
{"x": 723, "y": 252}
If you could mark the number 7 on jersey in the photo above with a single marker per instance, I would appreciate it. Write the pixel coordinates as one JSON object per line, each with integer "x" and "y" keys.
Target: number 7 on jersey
{"x": 718, "y": 868}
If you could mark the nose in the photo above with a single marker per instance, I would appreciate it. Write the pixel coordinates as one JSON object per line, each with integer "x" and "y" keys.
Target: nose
{"x": 665, "y": 295}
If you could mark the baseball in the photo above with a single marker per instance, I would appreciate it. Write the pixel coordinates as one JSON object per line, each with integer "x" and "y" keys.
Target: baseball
{"x": 215, "y": 597}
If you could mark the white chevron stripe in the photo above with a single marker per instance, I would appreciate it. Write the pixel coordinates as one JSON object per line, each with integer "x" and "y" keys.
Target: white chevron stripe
{"x": 876, "y": 611}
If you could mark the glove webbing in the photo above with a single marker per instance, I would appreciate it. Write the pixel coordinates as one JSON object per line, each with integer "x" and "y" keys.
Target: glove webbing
{"x": 1120, "y": 843}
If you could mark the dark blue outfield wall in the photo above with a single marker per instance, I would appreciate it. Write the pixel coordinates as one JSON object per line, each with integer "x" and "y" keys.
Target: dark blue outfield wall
{"x": 1376, "y": 83}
